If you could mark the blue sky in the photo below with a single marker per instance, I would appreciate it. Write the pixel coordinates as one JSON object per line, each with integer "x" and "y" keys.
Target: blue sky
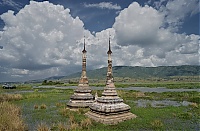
{"x": 39, "y": 39}
{"x": 96, "y": 19}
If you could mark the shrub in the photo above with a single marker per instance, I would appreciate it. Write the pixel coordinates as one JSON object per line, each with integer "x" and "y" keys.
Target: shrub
{"x": 36, "y": 90}
{"x": 193, "y": 105}
{"x": 186, "y": 115}
{"x": 195, "y": 99}
{"x": 59, "y": 104}
{"x": 157, "y": 124}
{"x": 10, "y": 119}
{"x": 43, "y": 106}
{"x": 35, "y": 106}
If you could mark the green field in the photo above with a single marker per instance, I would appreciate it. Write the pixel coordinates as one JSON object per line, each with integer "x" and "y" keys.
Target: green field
{"x": 46, "y": 109}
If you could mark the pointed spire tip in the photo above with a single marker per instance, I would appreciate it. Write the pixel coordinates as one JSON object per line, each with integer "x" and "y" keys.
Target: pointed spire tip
{"x": 109, "y": 48}
{"x": 84, "y": 50}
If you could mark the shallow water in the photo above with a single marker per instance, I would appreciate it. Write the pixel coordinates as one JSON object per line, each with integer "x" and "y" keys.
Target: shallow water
{"x": 141, "y": 89}
{"x": 158, "y": 89}
{"x": 160, "y": 103}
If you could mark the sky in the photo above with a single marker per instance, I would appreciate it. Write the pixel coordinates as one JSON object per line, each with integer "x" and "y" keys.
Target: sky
{"x": 39, "y": 39}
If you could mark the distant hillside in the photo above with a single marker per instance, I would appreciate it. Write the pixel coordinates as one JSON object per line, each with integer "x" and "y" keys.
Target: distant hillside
{"x": 142, "y": 72}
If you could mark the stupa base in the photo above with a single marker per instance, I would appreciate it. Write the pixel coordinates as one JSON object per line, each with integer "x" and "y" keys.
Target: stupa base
{"x": 79, "y": 105}
{"x": 110, "y": 119}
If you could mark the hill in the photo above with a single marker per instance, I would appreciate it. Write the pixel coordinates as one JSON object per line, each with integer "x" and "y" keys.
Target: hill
{"x": 137, "y": 72}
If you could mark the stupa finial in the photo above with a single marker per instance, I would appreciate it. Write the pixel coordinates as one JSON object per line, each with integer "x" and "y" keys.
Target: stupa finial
{"x": 109, "y": 48}
{"x": 84, "y": 50}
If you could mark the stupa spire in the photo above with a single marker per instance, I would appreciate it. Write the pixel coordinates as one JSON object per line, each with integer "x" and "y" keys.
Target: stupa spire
{"x": 109, "y": 48}
{"x": 84, "y": 62}
{"x": 109, "y": 108}
{"x": 82, "y": 96}
{"x": 109, "y": 72}
{"x": 84, "y": 50}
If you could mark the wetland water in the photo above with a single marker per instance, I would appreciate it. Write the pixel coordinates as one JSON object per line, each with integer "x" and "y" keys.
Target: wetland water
{"x": 30, "y": 114}
{"x": 142, "y": 102}
{"x": 141, "y": 89}
{"x": 160, "y": 103}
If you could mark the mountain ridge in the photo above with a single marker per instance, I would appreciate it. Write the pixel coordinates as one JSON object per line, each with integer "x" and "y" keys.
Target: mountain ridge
{"x": 141, "y": 72}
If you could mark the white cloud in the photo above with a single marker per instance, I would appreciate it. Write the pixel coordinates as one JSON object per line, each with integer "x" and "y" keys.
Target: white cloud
{"x": 40, "y": 36}
{"x": 141, "y": 28}
{"x": 136, "y": 25}
{"x": 103, "y": 5}
{"x": 44, "y": 40}
{"x": 176, "y": 11}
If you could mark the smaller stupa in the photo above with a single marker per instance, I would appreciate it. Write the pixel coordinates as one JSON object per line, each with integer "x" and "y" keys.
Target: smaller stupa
{"x": 109, "y": 108}
{"x": 82, "y": 96}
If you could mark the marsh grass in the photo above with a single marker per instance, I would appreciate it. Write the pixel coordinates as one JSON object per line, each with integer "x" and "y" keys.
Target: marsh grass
{"x": 63, "y": 126}
{"x": 43, "y": 127}
{"x": 76, "y": 120}
{"x": 64, "y": 111}
{"x": 194, "y": 105}
{"x": 179, "y": 96}
{"x": 58, "y": 104}
{"x": 35, "y": 95}
{"x": 185, "y": 115}
{"x": 74, "y": 126}
{"x": 86, "y": 123}
{"x": 56, "y": 91}
{"x": 10, "y": 119}
{"x": 156, "y": 124}
{"x": 171, "y": 85}
{"x": 10, "y": 97}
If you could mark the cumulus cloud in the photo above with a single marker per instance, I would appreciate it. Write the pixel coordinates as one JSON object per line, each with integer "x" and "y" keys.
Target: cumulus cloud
{"x": 176, "y": 11}
{"x": 40, "y": 36}
{"x": 103, "y": 5}
{"x": 44, "y": 40}
{"x": 142, "y": 28}
{"x": 137, "y": 25}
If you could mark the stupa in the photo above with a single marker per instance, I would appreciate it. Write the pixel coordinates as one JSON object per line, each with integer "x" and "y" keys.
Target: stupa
{"x": 109, "y": 108}
{"x": 82, "y": 96}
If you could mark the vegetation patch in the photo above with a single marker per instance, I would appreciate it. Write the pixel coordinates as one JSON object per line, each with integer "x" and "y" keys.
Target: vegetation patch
{"x": 10, "y": 97}
{"x": 156, "y": 124}
{"x": 10, "y": 119}
{"x": 43, "y": 127}
{"x": 58, "y": 117}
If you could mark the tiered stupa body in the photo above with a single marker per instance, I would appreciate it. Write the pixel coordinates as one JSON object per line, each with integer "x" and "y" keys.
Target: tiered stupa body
{"x": 109, "y": 108}
{"x": 82, "y": 96}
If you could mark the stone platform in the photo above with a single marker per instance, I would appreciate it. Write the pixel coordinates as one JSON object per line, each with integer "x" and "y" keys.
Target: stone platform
{"x": 110, "y": 119}
{"x": 82, "y": 97}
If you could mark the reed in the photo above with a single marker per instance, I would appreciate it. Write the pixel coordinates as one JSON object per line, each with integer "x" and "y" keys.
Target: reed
{"x": 43, "y": 127}
{"x": 10, "y": 119}
{"x": 10, "y": 97}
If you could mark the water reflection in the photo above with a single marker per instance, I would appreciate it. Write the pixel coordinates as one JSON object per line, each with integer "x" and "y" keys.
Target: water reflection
{"x": 141, "y": 89}
{"x": 160, "y": 103}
